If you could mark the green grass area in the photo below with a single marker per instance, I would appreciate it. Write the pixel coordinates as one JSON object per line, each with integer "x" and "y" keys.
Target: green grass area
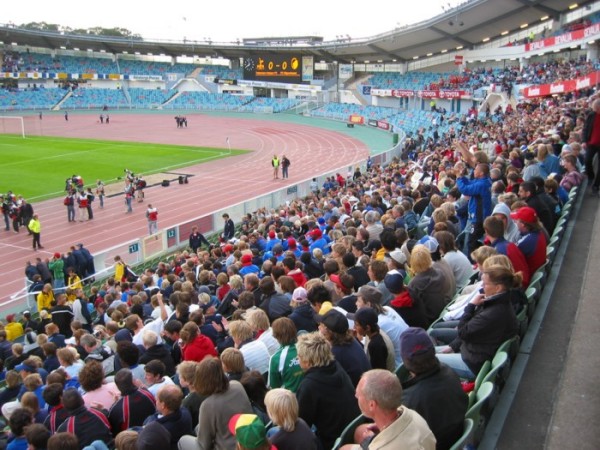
{"x": 36, "y": 167}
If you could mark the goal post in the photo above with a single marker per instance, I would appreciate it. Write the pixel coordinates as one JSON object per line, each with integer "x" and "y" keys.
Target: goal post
{"x": 12, "y": 125}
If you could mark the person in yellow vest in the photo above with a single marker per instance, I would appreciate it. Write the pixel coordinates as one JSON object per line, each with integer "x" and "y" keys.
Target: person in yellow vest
{"x": 13, "y": 329}
{"x": 73, "y": 281}
{"x": 119, "y": 269}
{"x": 35, "y": 227}
{"x": 275, "y": 164}
{"x": 45, "y": 298}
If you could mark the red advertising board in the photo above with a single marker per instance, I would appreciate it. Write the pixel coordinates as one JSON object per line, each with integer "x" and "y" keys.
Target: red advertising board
{"x": 355, "y": 118}
{"x": 591, "y": 31}
{"x": 441, "y": 94}
{"x": 561, "y": 87}
{"x": 402, "y": 93}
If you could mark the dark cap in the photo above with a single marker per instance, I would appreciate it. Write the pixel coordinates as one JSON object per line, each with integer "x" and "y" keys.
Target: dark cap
{"x": 394, "y": 281}
{"x": 334, "y": 321}
{"x": 366, "y": 317}
{"x": 414, "y": 341}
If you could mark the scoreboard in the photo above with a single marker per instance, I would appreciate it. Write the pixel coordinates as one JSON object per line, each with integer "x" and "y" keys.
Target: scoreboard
{"x": 273, "y": 67}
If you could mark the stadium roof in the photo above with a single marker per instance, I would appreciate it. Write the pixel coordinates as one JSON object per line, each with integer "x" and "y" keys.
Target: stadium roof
{"x": 464, "y": 26}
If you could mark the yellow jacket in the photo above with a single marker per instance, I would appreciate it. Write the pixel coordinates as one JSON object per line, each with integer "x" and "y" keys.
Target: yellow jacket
{"x": 13, "y": 330}
{"x": 119, "y": 271}
{"x": 380, "y": 255}
{"x": 44, "y": 301}
{"x": 34, "y": 225}
{"x": 74, "y": 282}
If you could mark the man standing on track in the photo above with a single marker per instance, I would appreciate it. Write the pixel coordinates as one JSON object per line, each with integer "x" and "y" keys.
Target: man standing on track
{"x": 69, "y": 202}
{"x": 285, "y": 164}
{"x": 152, "y": 216}
{"x": 26, "y": 212}
{"x": 35, "y": 228}
{"x": 100, "y": 192}
{"x": 275, "y": 164}
{"x": 129, "y": 190}
{"x": 83, "y": 201}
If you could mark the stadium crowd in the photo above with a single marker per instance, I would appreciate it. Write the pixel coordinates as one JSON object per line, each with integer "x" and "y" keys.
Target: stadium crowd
{"x": 301, "y": 316}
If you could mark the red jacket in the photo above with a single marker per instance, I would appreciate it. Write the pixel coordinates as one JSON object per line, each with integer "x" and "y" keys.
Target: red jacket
{"x": 198, "y": 349}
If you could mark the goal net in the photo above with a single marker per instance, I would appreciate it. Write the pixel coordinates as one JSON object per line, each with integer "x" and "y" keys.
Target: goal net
{"x": 12, "y": 125}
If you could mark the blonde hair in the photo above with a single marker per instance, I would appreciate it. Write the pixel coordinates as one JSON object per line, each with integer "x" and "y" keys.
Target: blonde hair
{"x": 420, "y": 259}
{"x": 439, "y": 215}
{"x": 236, "y": 282}
{"x": 282, "y": 408}
{"x": 482, "y": 253}
{"x": 449, "y": 209}
{"x": 187, "y": 371}
{"x": 314, "y": 350}
{"x": 498, "y": 260}
{"x": 240, "y": 330}
{"x": 258, "y": 319}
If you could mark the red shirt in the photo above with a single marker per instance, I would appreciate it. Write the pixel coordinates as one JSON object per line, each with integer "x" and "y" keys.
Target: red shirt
{"x": 595, "y": 137}
{"x": 198, "y": 349}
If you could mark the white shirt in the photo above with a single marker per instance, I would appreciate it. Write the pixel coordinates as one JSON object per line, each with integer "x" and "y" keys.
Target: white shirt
{"x": 77, "y": 314}
{"x": 256, "y": 356}
{"x": 156, "y": 325}
{"x": 156, "y": 386}
{"x": 394, "y": 325}
{"x": 267, "y": 338}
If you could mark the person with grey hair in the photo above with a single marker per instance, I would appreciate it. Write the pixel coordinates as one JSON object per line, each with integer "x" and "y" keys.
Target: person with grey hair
{"x": 156, "y": 350}
{"x": 372, "y": 225}
{"x": 97, "y": 352}
{"x": 379, "y": 395}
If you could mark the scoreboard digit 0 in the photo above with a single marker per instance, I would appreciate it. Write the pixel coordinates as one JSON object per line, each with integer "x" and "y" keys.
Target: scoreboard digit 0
{"x": 270, "y": 67}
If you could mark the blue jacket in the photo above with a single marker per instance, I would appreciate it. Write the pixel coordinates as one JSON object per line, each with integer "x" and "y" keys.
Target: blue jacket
{"x": 480, "y": 192}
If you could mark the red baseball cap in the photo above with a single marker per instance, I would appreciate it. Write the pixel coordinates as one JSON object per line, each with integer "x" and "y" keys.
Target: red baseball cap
{"x": 526, "y": 214}
{"x": 336, "y": 279}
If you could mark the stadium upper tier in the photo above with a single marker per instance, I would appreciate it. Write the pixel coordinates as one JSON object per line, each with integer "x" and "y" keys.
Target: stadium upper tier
{"x": 41, "y": 62}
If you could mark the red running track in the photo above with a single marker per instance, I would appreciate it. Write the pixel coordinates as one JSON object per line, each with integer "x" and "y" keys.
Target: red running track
{"x": 215, "y": 184}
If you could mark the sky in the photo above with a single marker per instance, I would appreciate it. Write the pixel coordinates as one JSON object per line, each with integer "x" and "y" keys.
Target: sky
{"x": 229, "y": 20}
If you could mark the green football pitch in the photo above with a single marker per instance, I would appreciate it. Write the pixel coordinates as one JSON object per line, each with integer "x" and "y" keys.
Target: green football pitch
{"x": 36, "y": 167}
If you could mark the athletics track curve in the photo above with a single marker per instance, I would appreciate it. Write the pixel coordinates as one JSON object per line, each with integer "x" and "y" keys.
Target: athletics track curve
{"x": 215, "y": 184}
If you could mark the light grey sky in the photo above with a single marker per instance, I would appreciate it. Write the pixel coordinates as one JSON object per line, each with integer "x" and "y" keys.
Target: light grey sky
{"x": 228, "y": 20}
